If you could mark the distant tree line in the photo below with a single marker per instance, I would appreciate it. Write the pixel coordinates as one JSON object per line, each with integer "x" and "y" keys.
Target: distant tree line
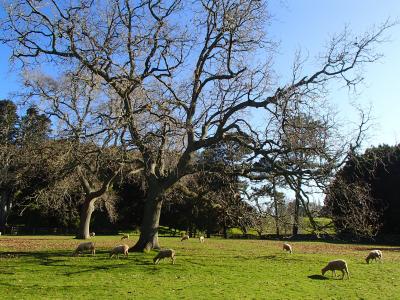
{"x": 40, "y": 189}
{"x": 364, "y": 198}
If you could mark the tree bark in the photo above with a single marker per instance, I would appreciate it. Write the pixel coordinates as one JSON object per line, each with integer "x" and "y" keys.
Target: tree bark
{"x": 5, "y": 208}
{"x": 310, "y": 217}
{"x": 225, "y": 231}
{"x": 276, "y": 209}
{"x": 295, "y": 230}
{"x": 86, "y": 215}
{"x": 91, "y": 196}
{"x": 244, "y": 232}
{"x": 148, "y": 238}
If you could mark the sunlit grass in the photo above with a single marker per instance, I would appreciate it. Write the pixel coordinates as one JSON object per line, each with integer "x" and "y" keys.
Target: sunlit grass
{"x": 42, "y": 267}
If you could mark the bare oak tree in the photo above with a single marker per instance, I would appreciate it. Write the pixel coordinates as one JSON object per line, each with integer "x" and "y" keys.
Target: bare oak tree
{"x": 91, "y": 157}
{"x": 181, "y": 85}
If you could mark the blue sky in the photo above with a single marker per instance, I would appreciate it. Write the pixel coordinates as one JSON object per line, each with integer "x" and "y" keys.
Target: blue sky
{"x": 307, "y": 24}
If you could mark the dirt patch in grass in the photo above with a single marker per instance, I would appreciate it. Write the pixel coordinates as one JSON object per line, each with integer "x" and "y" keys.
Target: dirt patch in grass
{"x": 34, "y": 244}
{"x": 330, "y": 248}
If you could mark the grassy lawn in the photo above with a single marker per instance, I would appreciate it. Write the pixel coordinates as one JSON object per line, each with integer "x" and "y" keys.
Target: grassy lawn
{"x": 41, "y": 267}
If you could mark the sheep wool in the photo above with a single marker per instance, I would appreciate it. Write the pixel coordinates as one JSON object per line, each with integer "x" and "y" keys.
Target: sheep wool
{"x": 120, "y": 249}
{"x": 164, "y": 253}
{"x": 287, "y": 247}
{"x": 88, "y": 246}
{"x": 336, "y": 265}
{"x": 374, "y": 255}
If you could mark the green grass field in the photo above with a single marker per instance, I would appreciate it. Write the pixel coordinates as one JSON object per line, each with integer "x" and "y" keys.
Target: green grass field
{"x": 41, "y": 267}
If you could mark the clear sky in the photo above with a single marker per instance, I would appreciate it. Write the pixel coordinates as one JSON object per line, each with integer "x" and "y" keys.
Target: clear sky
{"x": 307, "y": 24}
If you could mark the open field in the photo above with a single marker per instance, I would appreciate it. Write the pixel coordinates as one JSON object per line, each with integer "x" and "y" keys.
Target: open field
{"x": 41, "y": 267}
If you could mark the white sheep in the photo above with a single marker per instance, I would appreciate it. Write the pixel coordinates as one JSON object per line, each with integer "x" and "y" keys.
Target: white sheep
{"x": 185, "y": 237}
{"x": 201, "y": 239}
{"x": 92, "y": 234}
{"x": 336, "y": 265}
{"x": 164, "y": 253}
{"x": 87, "y": 246}
{"x": 374, "y": 255}
{"x": 120, "y": 249}
{"x": 125, "y": 236}
{"x": 287, "y": 247}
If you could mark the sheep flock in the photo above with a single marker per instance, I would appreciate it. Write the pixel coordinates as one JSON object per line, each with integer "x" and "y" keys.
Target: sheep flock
{"x": 123, "y": 249}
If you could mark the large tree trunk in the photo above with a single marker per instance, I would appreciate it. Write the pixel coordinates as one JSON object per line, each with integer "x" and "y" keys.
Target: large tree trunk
{"x": 278, "y": 233}
{"x": 225, "y": 231}
{"x": 276, "y": 217}
{"x": 86, "y": 215}
{"x": 295, "y": 230}
{"x": 148, "y": 238}
{"x": 244, "y": 231}
{"x": 5, "y": 208}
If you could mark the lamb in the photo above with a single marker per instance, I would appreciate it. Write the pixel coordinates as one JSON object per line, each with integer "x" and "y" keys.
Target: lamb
{"x": 88, "y": 246}
{"x": 92, "y": 234}
{"x": 120, "y": 249}
{"x": 185, "y": 237}
{"x": 374, "y": 255}
{"x": 201, "y": 239}
{"x": 334, "y": 265}
{"x": 164, "y": 253}
{"x": 125, "y": 236}
{"x": 287, "y": 247}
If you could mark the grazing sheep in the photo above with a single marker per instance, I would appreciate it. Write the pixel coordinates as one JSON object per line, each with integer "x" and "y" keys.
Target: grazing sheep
{"x": 164, "y": 253}
{"x": 120, "y": 249}
{"x": 185, "y": 237}
{"x": 201, "y": 239}
{"x": 339, "y": 265}
{"x": 287, "y": 247}
{"x": 88, "y": 246}
{"x": 92, "y": 234}
{"x": 125, "y": 236}
{"x": 374, "y": 255}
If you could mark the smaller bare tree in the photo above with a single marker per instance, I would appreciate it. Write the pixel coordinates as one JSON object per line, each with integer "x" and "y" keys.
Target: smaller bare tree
{"x": 90, "y": 133}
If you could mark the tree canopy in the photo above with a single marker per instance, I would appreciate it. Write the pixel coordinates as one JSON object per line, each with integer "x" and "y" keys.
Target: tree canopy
{"x": 364, "y": 198}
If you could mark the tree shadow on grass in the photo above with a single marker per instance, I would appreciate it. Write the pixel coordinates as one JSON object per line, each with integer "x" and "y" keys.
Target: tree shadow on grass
{"x": 193, "y": 262}
{"x": 7, "y": 284}
{"x": 279, "y": 258}
{"x": 6, "y": 272}
{"x": 44, "y": 258}
{"x": 90, "y": 269}
{"x": 267, "y": 257}
{"x": 60, "y": 260}
{"x": 317, "y": 277}
{"x": 141, "y": 261}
